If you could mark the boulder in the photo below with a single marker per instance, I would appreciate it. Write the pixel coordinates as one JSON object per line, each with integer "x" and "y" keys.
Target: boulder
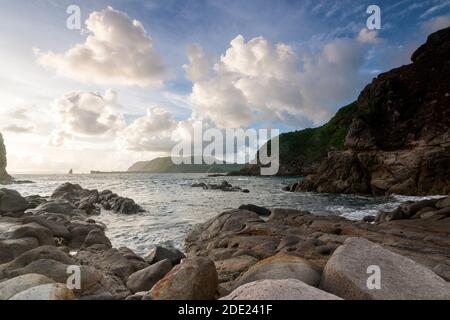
{"x": 192, "y": 279}
{"x": 281, "y": 267}
{"x": 50, "y": 291}
{"x": 58, "y": 229}
{"x": 162, "y": 253}
{"x": 18, "y": 284}
{"x": 10, "y": 249}
{"x": 34, "y": 230}
{"x": 231, "y": 268}
{"x": 96, "y": 237}
{"x": 286, "y": 289}
{"x": 12, "y": 201}
{"x": 59, "y": 272}
{"x": 443, "y": 203}
{"x": 347, "y": 275}
{"x": 56, "y": 206}
{"x": 145, "y": 279}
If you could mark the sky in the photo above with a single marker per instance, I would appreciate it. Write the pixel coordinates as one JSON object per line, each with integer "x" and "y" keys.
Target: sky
{"x": 130, "y": 83}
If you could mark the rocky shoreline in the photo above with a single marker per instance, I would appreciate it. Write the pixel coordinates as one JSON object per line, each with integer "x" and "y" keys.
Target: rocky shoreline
{"x": 246, "y": 253}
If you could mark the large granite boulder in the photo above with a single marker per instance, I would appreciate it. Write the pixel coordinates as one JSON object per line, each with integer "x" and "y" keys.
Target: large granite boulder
{"x": 287, "y": 289}
{"x": 192, "y": 279}
{"x": 18, "y": 284}
{"x": 351, "y": 270}
{"x": 145, "y": 279}
{"x": 281, "y": 267}
{"x": 50, "y": 291}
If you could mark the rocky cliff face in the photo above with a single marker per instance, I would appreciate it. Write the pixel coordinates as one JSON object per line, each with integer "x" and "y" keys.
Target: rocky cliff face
{"x": 4, "y": 176}
{"x": 399, "y": 139}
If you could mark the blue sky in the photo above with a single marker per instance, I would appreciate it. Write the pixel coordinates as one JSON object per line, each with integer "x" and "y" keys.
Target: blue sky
{"x": 304, "y": 27}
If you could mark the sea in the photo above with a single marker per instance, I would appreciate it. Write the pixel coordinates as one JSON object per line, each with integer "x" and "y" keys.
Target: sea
{"x": 173, "y": 207}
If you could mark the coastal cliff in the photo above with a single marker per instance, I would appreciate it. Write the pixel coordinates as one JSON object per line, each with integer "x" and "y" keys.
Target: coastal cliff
{"x": 399, "y": 138}
{"x": 4, "y": 176}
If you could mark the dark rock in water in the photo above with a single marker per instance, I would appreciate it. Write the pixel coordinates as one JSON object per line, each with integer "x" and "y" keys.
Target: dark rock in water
{"x": 90, "y": 200}
{"x": 410, "y": 152}
{"x": 369, "y": 219}
{"x": 224, "y": 186}
{"x": 145, "y": 279}
{"x": 12, "y": 201}
{"x": 259, "y": 210}
{"x": 162, "y": 253}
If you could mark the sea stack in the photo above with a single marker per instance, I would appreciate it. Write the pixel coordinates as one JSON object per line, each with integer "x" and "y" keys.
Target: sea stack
{"x": 4, "y": 176}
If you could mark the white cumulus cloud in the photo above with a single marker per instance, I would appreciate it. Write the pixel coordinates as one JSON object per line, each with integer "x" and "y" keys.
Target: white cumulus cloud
{"x": 260, "y": 81}
{"x": 86, "y": 114}
{"x": 117, "y": 51}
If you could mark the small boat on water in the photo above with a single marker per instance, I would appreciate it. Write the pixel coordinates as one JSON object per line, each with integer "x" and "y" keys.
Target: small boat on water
{"x": 71, "y": 171}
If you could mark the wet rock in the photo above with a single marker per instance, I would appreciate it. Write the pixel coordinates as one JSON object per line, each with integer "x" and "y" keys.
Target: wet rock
{"x": 18, "y": 284}
{"x": 51, "y": 291}
{"x": 58, "y": 229}
{"x": 162, "y": 253}
{"x": 346, "y": 275}
{"x": 192, "y": 279}
{"x": 287, "y": 289}
{"x": 60, "y": 206}
{"x": 259, "y": 210}
{"x": 145, "y": 279}
{"x": 281, "y": 267}
{"x": 96, "y": 237}
{"x": 369, "y": 219}
{"x": 12, "y": 201}
{"x": 443, "y": 203}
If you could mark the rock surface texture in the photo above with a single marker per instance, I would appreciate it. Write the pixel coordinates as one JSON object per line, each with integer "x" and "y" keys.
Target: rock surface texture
{"x": 288, "y": 289}
{"x": 399, "y": 140}
{"x": 347, "y": 273}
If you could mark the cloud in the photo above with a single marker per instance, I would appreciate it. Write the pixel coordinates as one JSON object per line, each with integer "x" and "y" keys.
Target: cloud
{"x": 258, "y": 81}
{"x": 367, "y": 36}
{"x": 198, "y": 67}
{"x": 152, "y": 132}
{"x": 117, "y": 51}
{"x": 19, "y": 129}
{"x": 436, "y": 24}
{"x": 86, "y": 114}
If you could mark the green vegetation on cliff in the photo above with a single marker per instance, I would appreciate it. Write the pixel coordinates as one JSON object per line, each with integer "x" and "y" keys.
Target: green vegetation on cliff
{"x": 165, "y": 165}
{"x": 312, "y": 144}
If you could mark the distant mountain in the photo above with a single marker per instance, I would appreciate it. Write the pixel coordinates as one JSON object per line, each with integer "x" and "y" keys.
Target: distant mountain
{"x": 165, "y": 165}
